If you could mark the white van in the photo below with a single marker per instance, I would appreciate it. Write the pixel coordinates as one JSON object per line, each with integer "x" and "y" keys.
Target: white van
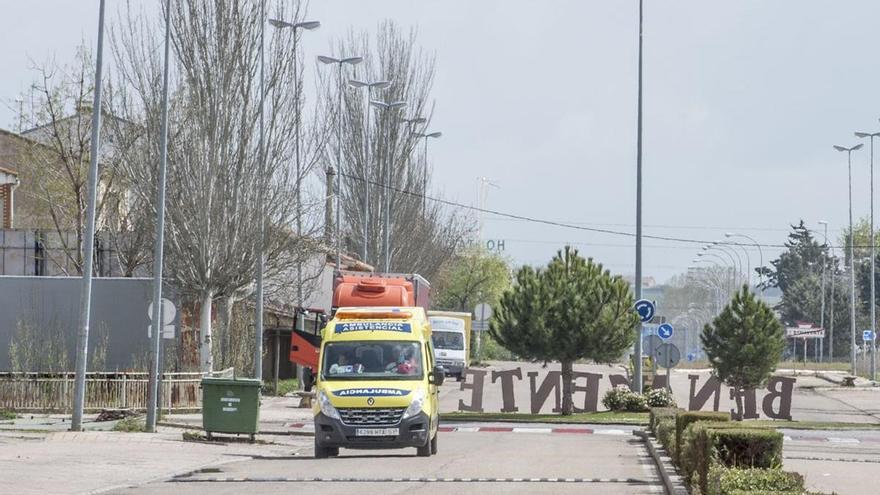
{"x": 450, "y": 344}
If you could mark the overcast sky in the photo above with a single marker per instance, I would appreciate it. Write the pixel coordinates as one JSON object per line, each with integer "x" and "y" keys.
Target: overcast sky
{"x": 743, "y": 101}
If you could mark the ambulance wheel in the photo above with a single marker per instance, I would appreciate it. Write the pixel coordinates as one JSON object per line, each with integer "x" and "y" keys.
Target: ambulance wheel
{"x": 425, "y": 450}
{"x": 322, "y": 452}
{"x": 434, "y": 444}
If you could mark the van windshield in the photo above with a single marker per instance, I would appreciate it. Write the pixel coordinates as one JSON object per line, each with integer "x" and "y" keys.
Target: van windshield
{"x": 447, "y": 340}
{"x": 372, "y": 360}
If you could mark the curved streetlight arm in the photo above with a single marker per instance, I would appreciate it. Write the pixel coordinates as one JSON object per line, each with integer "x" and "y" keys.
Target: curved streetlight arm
{"x": 760, "y": 255}
{"x": 737, "y": 261}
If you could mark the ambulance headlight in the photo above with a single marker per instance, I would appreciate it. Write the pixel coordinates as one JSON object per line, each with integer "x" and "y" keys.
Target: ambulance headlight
{"x": 326, "y": 407}
{"x": 415, "y": 406}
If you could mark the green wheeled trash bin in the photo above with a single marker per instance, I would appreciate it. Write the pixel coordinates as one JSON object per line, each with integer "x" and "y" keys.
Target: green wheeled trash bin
{"x": 231, "y": 405}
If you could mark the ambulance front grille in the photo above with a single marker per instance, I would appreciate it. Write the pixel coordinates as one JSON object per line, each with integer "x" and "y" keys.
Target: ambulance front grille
{"x": 371, "y": 416}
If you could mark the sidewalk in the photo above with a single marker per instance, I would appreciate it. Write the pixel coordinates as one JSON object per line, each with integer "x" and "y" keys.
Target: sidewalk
{"x": 38, "y": 455}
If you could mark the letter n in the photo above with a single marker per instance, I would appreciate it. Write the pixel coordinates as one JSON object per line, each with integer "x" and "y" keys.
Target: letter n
{"x": 552, "y": 381}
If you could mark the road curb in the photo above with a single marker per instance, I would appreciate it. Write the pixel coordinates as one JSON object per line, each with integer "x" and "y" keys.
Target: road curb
{"x": 672, "y": 483}
{"x": 445, "y": 420}
{"x": 186, "y": 426}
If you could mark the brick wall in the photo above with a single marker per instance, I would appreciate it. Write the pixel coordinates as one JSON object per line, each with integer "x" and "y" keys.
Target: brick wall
{"x": 6, "y": 206}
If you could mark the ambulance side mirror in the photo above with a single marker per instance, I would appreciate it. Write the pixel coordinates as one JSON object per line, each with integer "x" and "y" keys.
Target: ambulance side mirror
{"x": 437, "y": 376}
{"x": 308, "y": 379}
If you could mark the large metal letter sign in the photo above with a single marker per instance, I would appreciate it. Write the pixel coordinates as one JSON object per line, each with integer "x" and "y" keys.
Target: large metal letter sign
{"x": 646, "y": 310}
{"x": 169, "y": 313}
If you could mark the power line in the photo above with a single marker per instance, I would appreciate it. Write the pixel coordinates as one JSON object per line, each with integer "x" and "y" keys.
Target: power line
{"x": 563, "y": 224}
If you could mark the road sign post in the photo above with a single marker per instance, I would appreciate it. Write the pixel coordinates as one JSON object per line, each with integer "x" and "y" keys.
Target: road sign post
{"x": 482, "y": 313}
{"x": 667, "y": 356}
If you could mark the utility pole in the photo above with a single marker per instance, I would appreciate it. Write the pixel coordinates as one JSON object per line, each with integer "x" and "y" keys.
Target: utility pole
{"x": 637, "y": 379}
{"x": 261, "y": 209}
{"x": 852, "y": 271}
{"x": 82, "y": 348}
{"x": 158, "y": 248}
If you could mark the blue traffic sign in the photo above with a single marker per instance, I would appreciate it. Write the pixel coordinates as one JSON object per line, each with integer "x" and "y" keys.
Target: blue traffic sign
{"x": 664, "y": 331}
{"x": 692, "y": 356}
{"x": 868, "y": 335}
{"x": 646, "y": 310}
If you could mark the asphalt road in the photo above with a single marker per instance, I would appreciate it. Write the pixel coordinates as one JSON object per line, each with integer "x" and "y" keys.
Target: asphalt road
{"x": 529, "y": 460}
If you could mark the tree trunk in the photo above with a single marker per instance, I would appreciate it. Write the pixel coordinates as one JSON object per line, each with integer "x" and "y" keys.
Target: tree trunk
{"x": 206, "y": 357}
{"x": 567, "y": 405}
{"x": 226, "y": 305}
{"x": 739, "y": 404}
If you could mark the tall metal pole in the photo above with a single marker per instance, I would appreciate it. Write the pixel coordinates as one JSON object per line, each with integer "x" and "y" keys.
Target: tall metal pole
{"x": 852, "y": 274}
{"x": 82, "y": 348}
{"x": 338, "y": 188}
{"x": 258, "y": 324}
{"x": 637, "y": 379}
{"x": 425, "y": 181}
{"x": 831, "y": 310}
{"x": 367, "y": 175}
{"x": 824, "y": 267}
{"x": 873, "y": 276}
{"x": 158, "y": 250}
{"x": 387, "y": 197}
{"x": 299, "y": 232}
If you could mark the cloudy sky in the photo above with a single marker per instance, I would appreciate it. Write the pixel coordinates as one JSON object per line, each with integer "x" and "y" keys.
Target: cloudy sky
{"x": 743, "y": 101}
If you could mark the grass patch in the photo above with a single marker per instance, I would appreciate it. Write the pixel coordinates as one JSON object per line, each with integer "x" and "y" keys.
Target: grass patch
{"x": 284, "y": 387}
{"x": 7, "y": 414}
{"x": 132, "y": 424}
{"x": 603, "y": 417}
{"x": 811, "y": 425}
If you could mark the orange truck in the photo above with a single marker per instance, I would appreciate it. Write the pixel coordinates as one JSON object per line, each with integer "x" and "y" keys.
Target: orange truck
{"x": 362, "y": 289}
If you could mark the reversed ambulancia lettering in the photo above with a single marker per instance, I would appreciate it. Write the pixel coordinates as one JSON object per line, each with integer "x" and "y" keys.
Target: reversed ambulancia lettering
{"x": 371, "y": 392}
{"x": 368, "y": 326}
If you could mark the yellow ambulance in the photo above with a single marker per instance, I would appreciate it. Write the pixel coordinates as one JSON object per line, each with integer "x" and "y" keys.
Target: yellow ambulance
{"x": 377, "y": 384}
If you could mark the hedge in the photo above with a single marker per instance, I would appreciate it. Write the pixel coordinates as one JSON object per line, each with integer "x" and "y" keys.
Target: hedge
{"x": 666, "y": 435}
{"x": 726, "y": 481}
{"x": 659, "y": 413}
{"x": 683, "y": 419}
{"x": 706, "y": 444}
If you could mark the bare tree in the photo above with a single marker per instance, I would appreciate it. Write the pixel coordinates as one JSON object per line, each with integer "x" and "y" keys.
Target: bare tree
{"x": 422, "y": 239}
{"x": 214, "y": 170}
{"x": 57, "y": 155}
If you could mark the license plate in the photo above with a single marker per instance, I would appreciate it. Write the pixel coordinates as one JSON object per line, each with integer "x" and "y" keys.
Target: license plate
{"x": 377, "y": 432}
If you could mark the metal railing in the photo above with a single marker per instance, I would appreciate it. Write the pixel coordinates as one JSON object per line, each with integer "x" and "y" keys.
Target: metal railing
{"x": 53, "y": 392}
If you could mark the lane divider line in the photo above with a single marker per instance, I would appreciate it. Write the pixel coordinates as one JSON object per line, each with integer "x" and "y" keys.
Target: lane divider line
{"x": 274, "y": 479}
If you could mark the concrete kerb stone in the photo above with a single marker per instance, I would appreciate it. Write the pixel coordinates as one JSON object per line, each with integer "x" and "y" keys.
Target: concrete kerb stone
{"x": 168, "y": 477}
{"x": 672, "y": 482}
{"x": 187, "y": 426}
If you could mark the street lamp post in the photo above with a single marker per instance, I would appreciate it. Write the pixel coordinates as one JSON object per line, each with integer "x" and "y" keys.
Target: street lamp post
{"x": 724, "y": 264}
{"x": 369, "y": 85}
{"x": 158, "y": 247}
{"x": 426, "y": 136}
{"x": 637, "y": 379}
{"x": 381, "y": 105}
{"x": 852, "y": 273}
{"x": 300, "y": 299}
{"x": 760, "y": 255}
{"x": 738, "y": 265}
{"x": 824, "y": 266}
{"x": 82, "y": 344}
{"x": 733, "y": 264}
{"x": 748, "y": 262}
{"x": 339, "y": 62}
{"x": 871, "y": 137}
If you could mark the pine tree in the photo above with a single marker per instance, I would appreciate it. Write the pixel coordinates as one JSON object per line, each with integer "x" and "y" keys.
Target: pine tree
{"x": 573, "y": 309}
{"x": 744, "y": 343}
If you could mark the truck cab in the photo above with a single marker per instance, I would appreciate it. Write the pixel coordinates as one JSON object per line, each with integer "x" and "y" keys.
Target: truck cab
{"x": 376, "y": 382}
{"x": 450, "y": 333}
